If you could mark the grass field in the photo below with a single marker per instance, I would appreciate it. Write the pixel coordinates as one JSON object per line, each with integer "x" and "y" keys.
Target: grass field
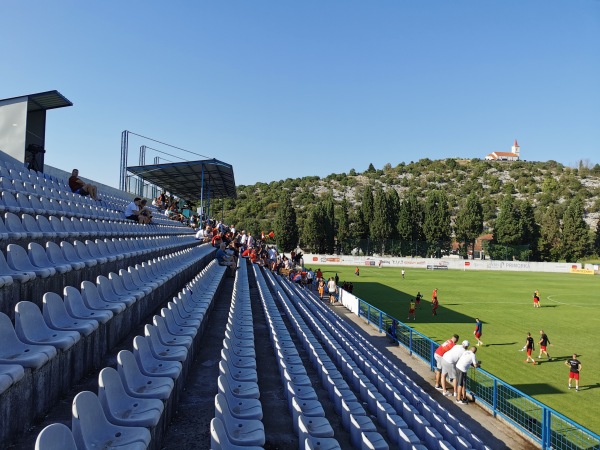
{"x": 570, "y": 316}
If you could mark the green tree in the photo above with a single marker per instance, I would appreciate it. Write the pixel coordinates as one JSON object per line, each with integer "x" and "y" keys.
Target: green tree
{"x": 597, "y": 238}
{"x": 381, "y": 226}
{"x": 469, "y": 223}
{"x": 367, "y": 209}
{"x": 575, "y": 232}
{"x": 549, "y": 242}
{"x": 393, "y": 200}
{"x": 507, "y": 230}
{"x": 343, "y": 228}
{"x": 329, "y": 223}
{"x": 436, "y": 224}
{"x": 286, "y": 228}
{"x": 530, "y": 230}
{"x": 312, "y": 231}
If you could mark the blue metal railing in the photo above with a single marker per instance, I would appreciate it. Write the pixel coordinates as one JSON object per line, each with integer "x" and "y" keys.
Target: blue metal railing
{"x": 549, "y": 428}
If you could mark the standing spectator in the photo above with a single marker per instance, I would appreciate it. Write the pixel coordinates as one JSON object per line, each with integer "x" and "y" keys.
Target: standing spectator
{"x": 466, "y": 360}
{"x": 449, "y": 361}
{"x": 250, "y": 241}
{"x": 529, "y": 348}
{"x": 78, "y": 186}
{"x": 403, "y": 273}
{"x": 441, "y": 351}
{"x": 478, "y": 331}
{"x": 321, "y": 288}
{"x": 331, "y": 289}
{"x": 310, "y": 275}
{"x": 574, "y": 372}
{"x": 319, "y": 274}
{"x": 544, "y": 342}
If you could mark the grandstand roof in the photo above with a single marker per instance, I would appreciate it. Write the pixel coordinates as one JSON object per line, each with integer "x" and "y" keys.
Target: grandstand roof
{"x": 44, "y": 100}
{"x": 184, "y": 179}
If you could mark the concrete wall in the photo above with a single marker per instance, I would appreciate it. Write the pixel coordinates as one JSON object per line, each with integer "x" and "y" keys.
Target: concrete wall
{"x": 311, "y": 260}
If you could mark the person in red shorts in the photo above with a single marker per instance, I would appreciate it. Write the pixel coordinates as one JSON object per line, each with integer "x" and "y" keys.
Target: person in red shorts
{"x": 529, "y": 346}
{"x": 536, "y": 300}
{"x": 434, "y": 306}
{"x": 478, "y": 331}
{"x": 544, "y": 342}
{"x": 411, "y": 311}
{"x": 441, "y": 350}
{"x": 575, "y": 366}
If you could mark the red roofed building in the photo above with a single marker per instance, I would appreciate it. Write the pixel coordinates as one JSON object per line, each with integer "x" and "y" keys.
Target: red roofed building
{"x": 513, "y": 155}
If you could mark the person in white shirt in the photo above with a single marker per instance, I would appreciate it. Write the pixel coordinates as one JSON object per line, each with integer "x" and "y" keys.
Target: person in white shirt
{"x": 449, "y": 361}
{"x": 132, "y": 212}
{"x": 466, "y": 360}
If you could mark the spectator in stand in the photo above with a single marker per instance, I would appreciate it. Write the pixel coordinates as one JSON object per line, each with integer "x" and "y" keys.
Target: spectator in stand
{"x": 78, "y": 186}
{"x": 132, "y": 211}
{"x": 449, "y": 361}
{"x": 310, "y": 275}
{"x": 250, "y": 241}
{"x": 466, "y": 360}
{"x": 332, "y": 289}
{"x": 243, "y": 239}
{"x": 321, "y": 288}
{"x": 225, "y": 259}
{"x": 217, "y": 240}
{"x": 319, "y": 274}
{"x": 145, "y": 211}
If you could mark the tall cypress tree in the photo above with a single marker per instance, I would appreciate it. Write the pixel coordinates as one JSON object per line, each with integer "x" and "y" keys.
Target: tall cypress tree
{"x": 436, "y": 225}
{"x": 549, "y": 242}
{"x": 329, "y": 223}
{"x": 393, "y": 201}
{"x": 507, "y": 229}
{"x": 575, "y": 232}
{"x": 285, "y": 227}
{"x": 469, "y": 223}
{"x": 381, "y": 227}
{"x": 367, "y": 208}
{"x": 343, "y": 231}
{"x": 312, "y": 231}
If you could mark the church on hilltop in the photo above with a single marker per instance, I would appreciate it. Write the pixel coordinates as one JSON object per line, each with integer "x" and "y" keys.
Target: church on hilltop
{"x": 513, "y": 155}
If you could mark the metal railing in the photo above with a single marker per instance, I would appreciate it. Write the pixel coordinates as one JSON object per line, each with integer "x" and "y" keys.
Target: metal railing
{"x": 546, "y": 426}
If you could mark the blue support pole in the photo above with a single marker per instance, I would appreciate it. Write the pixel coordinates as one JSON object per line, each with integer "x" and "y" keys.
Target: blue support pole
{"x": 410, "y": 340}
{"x": 495, "y": 398}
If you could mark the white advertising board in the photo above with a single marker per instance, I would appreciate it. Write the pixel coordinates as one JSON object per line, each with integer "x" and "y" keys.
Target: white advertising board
{"x": 312, "y": 260}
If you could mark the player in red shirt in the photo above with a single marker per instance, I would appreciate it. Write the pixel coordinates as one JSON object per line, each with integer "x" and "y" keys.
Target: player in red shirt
{"x": 438, "y": 359}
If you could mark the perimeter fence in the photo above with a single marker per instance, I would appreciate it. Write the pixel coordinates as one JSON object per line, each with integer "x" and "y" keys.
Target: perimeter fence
{"x": 544, "y": 425}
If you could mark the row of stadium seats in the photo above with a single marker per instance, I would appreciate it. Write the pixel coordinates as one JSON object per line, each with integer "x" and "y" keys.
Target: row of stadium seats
{"x": 30, "y": 273}
{"x": 135, "y": 400}
{"x": 411, "y": 416}
{"x": 309, "y": 421}
{"x": 238, "y": 411}
{"x": 40, "y": 227}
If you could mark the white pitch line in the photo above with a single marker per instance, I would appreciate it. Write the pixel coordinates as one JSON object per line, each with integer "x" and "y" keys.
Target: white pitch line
{"x": 577, "y": 305}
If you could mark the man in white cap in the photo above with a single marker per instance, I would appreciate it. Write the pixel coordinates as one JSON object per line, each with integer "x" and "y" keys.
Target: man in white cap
{"x": 449, "y": 361}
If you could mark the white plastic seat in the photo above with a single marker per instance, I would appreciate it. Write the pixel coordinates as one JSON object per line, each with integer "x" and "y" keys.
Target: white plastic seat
{"x": 165, "y": 338}
{"x": 69, "y": 226}
{"x": 108, "y": 246}
{"x": 14, "y": 226}
{"x": 170, "y": 327}
{"x": 151, "y": 366}
{"x": 17, "y": 259}
{"x": 6, "y": 185}
{"x": 77, "y": 308}
{"x": 105, "y": 288}
{"x": 46, "y": 228}
{"x": 55, "y": 437}
{"x": 57, "y": 226}
{"x": 174, "y": 319}
{"x": 92, "y": 299}
{"x": 104, "y": 251}
{"x": 31, "y": 328}
{"x": 238, "y": 361}
{"x": 236, "y": 373}
{"x": 9, "y": 375}
{"x": 140, "y": 273}
{"x": 83, "y": 251}
{"x": 71, "y": 255}
{"x": 24, "y": 204}
{"x": 137, "y": 384}
{"x": 92, "y": 430}
{"x": 122, "y": 409}
{"x": 239, "y": 389}
{"x": 9, "y": 201}
{"x": 39, "y": 258}
{"x": 36, "y": 204}
{"x": 130, "y": 283}
{"x": 57, "y": 317}
{"x": 32, "y": 228}
{"x": 120, "y": 288}
{"x": 219, "y": 439}
{"x": 8, "y": 273}
{"x": 239, "y": 431}
{"x": 57, "y": 257}
{"x": 14, "y": 351}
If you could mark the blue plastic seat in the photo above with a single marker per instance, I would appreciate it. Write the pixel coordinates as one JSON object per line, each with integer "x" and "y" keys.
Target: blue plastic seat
{"x": 18, "y": 260}
{"x": 14, "y": 351}
{"x": 151, "y": 366}
{"x": 57, "y": 317}
{"x": 77, "y": 308}
{"x": 137, "y": 384}
{"x": 31, "y": 328}
{"x": 39, "y": 259}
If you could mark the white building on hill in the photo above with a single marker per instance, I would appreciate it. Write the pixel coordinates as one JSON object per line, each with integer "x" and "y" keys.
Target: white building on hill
{"x": 513, "y": 155}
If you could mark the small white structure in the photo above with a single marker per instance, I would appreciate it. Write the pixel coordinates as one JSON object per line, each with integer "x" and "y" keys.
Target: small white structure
{"x": 513, "y": 155}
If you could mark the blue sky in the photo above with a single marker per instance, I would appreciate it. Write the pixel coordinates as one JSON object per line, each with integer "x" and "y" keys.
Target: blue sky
{"x": 283, "y": 89}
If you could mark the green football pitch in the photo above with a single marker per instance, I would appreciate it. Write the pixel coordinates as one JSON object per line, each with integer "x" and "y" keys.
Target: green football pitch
{"x": 569, "y": 315}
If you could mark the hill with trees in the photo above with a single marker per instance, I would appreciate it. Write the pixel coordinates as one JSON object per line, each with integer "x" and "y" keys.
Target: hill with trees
{"x": 541, "y": 211}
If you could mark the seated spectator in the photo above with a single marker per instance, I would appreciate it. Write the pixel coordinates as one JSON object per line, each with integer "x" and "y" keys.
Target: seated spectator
{"x": 78, "y": 186}
{"x": 225, "y": 259}
{"x": 132, "y": 212}
{"x": 145, "y": 211}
